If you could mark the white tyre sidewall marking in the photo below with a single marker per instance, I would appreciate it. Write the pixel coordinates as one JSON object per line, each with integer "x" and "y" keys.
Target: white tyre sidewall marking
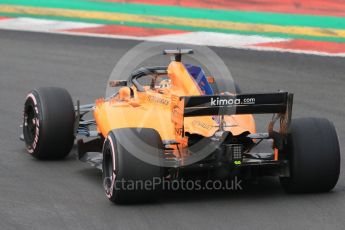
{"x": 33, "y": 146}
{"x": 110, "y": 194}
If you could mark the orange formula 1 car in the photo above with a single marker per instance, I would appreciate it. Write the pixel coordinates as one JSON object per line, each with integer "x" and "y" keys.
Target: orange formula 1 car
{"x": 167, "y": 122}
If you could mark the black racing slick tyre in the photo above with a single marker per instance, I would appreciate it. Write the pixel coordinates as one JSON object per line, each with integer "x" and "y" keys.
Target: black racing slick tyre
{"x": 48, "y": 124}
{"x": 126, "y": 178}
{"x": 314, "y": 156}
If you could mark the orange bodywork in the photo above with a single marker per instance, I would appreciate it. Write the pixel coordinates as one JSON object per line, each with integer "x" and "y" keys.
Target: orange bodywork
{"x": 154, "y": 109}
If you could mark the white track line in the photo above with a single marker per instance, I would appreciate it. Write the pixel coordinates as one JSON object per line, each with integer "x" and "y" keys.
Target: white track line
{"x": 42, "y": 25}
{"x": 216, "y": 39}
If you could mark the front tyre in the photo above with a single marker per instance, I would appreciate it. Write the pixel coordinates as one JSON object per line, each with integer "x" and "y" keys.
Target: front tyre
{"x": 48, "y": 123}
{"x": 314, "y": 156}
{"x": 127, "y": 179}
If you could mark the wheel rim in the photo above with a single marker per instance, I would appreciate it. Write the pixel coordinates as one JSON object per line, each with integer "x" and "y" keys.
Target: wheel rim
{"x": 108, "y": 170}
{"x": 30, "y": 124}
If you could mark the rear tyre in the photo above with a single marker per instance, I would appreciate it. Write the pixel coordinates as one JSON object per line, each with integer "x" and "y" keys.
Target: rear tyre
{"x": 48, "y": 124}
{"x": 124, "y": 175}
{"x": 314, "y": 156}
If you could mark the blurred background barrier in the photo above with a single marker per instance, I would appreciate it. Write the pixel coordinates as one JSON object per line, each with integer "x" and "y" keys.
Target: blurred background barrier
{"x": 299, "y": 25}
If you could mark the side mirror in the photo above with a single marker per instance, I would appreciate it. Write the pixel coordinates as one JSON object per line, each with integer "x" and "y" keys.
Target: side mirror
{"x": 118, "y": 83}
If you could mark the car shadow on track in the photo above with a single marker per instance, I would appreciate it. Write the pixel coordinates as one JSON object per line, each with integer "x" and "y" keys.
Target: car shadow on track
{"x": 259, "y": 189}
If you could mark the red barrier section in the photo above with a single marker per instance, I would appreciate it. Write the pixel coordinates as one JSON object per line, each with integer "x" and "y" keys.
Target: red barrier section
{"x": 127, "y": 30}
{"x": 319, "y": 46}
{"x": 318, "y": 7}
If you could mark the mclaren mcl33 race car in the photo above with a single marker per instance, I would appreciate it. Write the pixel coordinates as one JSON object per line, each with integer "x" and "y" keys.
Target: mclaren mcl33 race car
{"x": 167, "y": 122}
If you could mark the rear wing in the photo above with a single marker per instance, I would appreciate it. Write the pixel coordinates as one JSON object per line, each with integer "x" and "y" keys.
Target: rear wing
{"x": 235, "y": 104}
{"x": 279, "y": 104}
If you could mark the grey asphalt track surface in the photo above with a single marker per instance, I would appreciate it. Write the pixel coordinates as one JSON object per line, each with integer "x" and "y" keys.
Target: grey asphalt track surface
{"x": 69, "y": 195}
